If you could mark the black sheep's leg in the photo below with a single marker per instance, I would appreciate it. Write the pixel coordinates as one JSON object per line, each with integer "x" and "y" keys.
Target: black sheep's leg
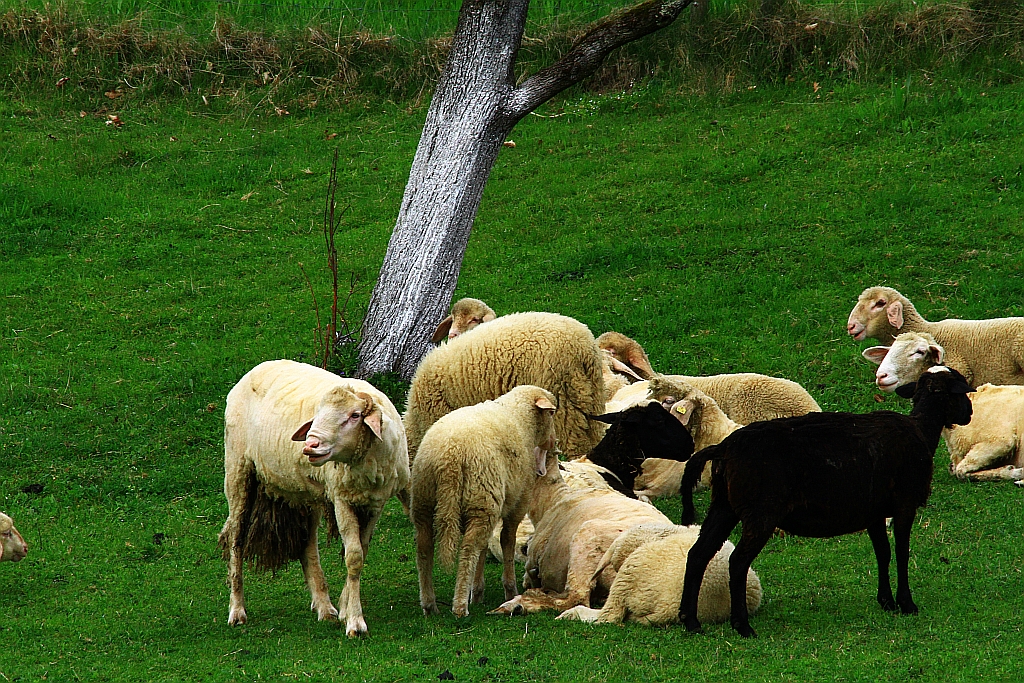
{"x": 720, "y": 521}
{"x": 880, "y": 542}
{"x": 753, "y": 539}
{"x": 902, "y": 523}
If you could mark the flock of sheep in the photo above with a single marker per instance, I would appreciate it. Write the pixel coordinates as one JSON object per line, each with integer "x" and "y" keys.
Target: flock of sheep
{"x": 475, "y": 462}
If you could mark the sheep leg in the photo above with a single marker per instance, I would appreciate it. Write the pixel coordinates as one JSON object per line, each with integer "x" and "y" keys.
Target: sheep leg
{"x": 236, "y": 607}
{"x": 476, "y": 595}
{"x": 752, "y": 542}
{"x": 902, "y": 524}
{"x": 314, "y": 574}
{"x": 983, "y": 456}
{"x": 237, "y": 487}
{"x": 425, "y": 564}
{"x": 883, "y": 554}
{"x": 509, "y": 528}
{"x": 474, "y": 543}
{"x": 718, "y": 524}
{"x": 349, "y": 606}
{"x": 1005, "y": 473}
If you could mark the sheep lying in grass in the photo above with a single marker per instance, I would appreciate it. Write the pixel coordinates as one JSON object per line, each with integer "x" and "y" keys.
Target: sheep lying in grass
{"x": 466, "y": 314}
{"x": 12, "y": 546}
{"x": 984, "y": 351}
{"x": 574, "y": 529}
{"x": 477, "y": 465}
{"x": 823, "y": 475}
{"x": 991, "y": 447}
{"x": 650, "y": 563}
{"x": 351, "y": 458}
{"x": 543, "y": 349}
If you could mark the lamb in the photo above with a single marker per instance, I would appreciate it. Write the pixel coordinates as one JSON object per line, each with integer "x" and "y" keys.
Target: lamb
{"x": 990, "y": 448}
{"x": 300, "y": 442}
{"x": 477, "y": 465}
{"x": 984, "y": 351}
{"x": 12, "y": 546}
{"x": 651, "y": 563}
{"x": 823, "y": 475}
{"x": 573, "y": 530}
{"x": 466, "y": 314}
{"x": 543, "y": 349}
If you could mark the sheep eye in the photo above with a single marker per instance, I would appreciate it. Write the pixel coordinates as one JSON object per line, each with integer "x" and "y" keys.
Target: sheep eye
{"x": 7, "y": 534}
{"x": 356, "y": 415}
{"x": 879, "y": 303}
{"x": 669, "y": 400}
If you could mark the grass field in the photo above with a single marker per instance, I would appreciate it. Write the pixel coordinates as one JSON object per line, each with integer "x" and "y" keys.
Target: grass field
{"x": 145, "y": 268}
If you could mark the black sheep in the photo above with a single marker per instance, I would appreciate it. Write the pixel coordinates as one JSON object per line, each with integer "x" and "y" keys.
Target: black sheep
{"x": 637, "y": 433}
{"x": 823, "y": 475}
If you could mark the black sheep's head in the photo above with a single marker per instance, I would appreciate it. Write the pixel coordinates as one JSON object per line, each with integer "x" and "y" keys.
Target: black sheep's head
{"x": 942, "y": 380}
{"x": 657, "y": 432}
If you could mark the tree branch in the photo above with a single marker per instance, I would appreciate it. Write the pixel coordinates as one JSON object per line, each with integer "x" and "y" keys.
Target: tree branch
{"x": 589, "y": 51}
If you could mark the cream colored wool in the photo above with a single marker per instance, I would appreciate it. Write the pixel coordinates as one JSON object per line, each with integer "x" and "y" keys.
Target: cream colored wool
{"x": 744, "y": 397}
{"x": 263, "y": 413}
{"x": 983, "y": 351}
{"x": 12, "y": 546}
{"x": 466, "y": 314}
{"x": 544, "y": 349}
{"x": 649, "y": 584}
{"x": 574, "y": 528}
{"x": 477, "y": 466}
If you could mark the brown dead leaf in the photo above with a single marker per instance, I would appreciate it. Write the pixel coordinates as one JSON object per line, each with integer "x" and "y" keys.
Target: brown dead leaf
{"x": 114, "y": 120}
{"x": 210, "y": 407}
{"x": 307, "y": 171}
{"x": 811, "y": 27}
{"x": 62, "y": 82}
{"x": 329, "y": 136}
{"x": 113, "y": 94}
{"x": 281, "y": 111}
{"x": 817, "y": 86}
{"x": 509, "y": 143}
{"x": 174, "y": 139}
{"x": 82, "y": 114}
{"x": 248, "y": 195}
{"x": 879, "y": 398}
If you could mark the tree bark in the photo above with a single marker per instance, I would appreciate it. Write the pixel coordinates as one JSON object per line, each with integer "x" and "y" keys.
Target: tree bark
{"x": 475, "y": 105}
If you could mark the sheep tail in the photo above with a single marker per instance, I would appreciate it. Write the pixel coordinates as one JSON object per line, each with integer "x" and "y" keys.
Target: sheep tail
{"x": 448, "y": 515}
{"x": 691, "y": 475}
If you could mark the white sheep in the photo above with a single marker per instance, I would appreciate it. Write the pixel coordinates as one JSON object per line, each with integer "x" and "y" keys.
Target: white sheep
{"x": 984, "y": 351}
{"x": 466, "y": 314}
{"x": 574, "y": 528}
{"x": 477, "y": 466}
{"x": 649, "y": 582}
{"x": 543, "y": 349}
{"x": 12, "y": 546}
{"x": 991, "y": 447}
{"x": 300, "y": 441}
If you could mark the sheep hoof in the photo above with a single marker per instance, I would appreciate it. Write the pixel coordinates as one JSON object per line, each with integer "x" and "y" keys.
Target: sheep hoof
{"x": 430, "y": 609}
{"x": 460, "y": 612}
{"x": 908, "y": 607}
{"x": 1019, "y": 482}
{"x": 887, "y": 603}
{"x": 1017, "y": 474}
{"x": 356, "y": 627}
{"x": 236, "y": 617}
{"x": 511, "y": 607}
{"x": 693, "y": 625}
{"x": 745, "y": 630}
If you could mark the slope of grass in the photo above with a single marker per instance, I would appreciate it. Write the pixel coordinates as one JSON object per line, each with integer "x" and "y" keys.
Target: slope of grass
{"x": 144, "y": 268}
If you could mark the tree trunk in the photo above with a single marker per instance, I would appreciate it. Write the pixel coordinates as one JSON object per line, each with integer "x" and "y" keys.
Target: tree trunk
{"x": 475, "y": 106}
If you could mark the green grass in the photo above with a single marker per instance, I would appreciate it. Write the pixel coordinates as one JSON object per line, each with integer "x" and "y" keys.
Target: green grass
{"x": 145, "y": 269}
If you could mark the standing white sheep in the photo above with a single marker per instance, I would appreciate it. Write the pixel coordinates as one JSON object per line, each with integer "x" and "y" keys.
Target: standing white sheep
{"x": 543, "y": 349}
{"x": 477, "y": 466}
{"x": 299, "y": 441}
{"x": 984, "y": 351}
{"x": 12, "y": 546}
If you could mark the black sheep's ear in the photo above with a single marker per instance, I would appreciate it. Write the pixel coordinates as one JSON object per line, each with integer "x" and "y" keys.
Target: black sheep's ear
{"x": 961, "y": 387}
{"x": 906, "y": 390}
{"x": 607, "y": 418}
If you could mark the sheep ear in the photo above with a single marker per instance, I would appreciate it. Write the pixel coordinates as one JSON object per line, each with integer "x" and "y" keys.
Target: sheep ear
{"x": 640, "y": 362}
{"x": 488, "y": 317}
{"x": 607, "y": 418}
{"x": 907, "y": 390}
{"x": 301, "y": 432}
{"x": 442, "y": 330}
{"x": 541, "y": 456}
{"x": 544, "y": 404}
{"x": 895, "y": 314}
{"x": 938, "y": 352}
{"x": 875, "y": 354}
{"x": 683, "y": 411}
{"x": 619, "y": 366}
{"x": 371, "y": 415}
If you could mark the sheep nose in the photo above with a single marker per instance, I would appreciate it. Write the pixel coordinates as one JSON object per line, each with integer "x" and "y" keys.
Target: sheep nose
{"x": 310, "y": 444}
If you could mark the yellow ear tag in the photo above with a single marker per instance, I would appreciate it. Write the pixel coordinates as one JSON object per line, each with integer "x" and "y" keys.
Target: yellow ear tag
{"x": 681, "y": 409}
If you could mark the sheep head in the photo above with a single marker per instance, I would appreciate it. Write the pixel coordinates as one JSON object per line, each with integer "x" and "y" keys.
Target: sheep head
{"x": 879, "y": 314}
{"x": 466, "y": 314}
{"x": 12, "y": 546}
{"x": 911, "y": 354}
{"x": 935, "y": 383}
{"x": 628, "y": 352}
{"x": 679, "y": 398}
{"x": 341, "y": 430}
